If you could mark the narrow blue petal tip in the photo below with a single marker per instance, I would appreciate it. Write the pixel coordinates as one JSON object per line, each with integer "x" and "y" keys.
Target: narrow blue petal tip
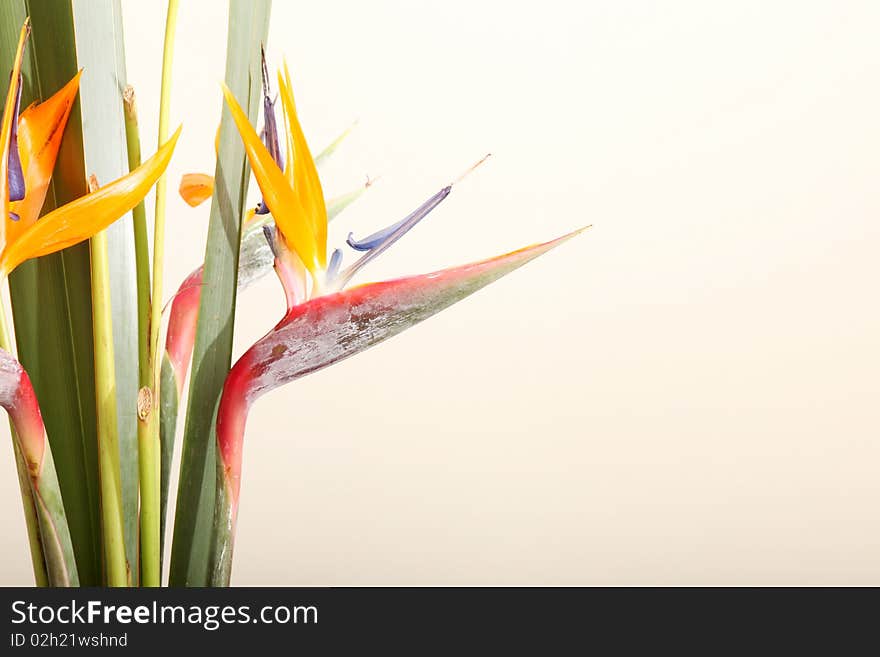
{"x": 333, "y": 266}
{"x": 16, "y": 177}
{"x": 374, "y": 240}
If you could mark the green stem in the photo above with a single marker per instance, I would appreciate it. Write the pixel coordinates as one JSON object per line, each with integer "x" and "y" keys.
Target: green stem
{"x": 105, "y": 400}
{"x": 38, "y": 561}
{"x": 161, "y": 185}
{"x": 141, "y": 245}
{"x": 142, "y": 269}
{"x": 148, "y": 427}
{"x": 148, "y": 458}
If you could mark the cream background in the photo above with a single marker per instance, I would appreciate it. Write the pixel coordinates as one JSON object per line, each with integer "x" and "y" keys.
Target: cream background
{"x": 686, "y": 394}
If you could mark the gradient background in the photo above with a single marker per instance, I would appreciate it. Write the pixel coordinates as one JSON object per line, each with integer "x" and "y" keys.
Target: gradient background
{"x": 686, "y": 394}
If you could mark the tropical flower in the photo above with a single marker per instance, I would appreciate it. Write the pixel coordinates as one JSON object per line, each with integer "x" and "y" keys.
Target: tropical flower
{"x": 324, "y": 322}
{"x": 29, "y": 146}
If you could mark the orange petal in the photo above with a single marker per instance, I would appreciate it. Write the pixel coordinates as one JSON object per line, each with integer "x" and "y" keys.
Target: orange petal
{"x": 289, "y": 215}
{"x": 6, "y": 131}
{"x": 40, "y": 129}
{"x": 196, "y": 188}
{"x": 80, "y": 219}
{"x": 301, "y": 166}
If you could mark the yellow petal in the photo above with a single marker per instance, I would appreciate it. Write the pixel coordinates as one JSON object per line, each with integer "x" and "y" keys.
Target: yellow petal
{"x": 40, "y": 129}
{"x": 6, "y": 131}
{"x": 80, "y": 219}
{"x": 306, "y": 183}
{"x": 289, "y": 215}
{"x": 289, "y": 168}
{"x": 196, "y": 188}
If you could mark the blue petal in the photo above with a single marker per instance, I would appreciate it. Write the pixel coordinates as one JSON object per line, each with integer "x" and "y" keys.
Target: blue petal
{"x": 374, "y": 240}
{"x": 333, "y": 267}
{"x": 397, "y": 231}
{"x": 269, "y": 133}
{"x": 16, "y": 177}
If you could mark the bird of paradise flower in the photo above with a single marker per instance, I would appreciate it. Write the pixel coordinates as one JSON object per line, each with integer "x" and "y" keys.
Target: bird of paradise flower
{"x": 325, "y": 320}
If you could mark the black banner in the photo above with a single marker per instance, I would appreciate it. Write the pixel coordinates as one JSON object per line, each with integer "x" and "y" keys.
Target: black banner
{"x": 415, "y": 620}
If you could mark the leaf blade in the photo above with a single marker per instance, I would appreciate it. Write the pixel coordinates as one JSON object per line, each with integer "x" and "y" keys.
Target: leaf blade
{"x": 248, "y": 27}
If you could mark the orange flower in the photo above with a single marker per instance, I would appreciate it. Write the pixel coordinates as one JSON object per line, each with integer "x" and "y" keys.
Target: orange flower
{"x": 28, "y": 150}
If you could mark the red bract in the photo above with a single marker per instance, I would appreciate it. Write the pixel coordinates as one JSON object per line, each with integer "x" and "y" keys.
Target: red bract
{"x": 18, "y": 398}
{"x": 324, "y": 331}
{"x": 182, "y": 326}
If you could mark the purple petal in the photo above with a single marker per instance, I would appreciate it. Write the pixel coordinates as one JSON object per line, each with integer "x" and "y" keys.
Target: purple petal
{"x": 16, "y": 177}
{"x": 269, "y": 133}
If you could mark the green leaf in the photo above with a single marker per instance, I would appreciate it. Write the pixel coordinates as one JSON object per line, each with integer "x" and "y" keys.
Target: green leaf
{"x": 248, "y": 27}
{"x": 100, "y": 51}
{"x": 167, "y": 429}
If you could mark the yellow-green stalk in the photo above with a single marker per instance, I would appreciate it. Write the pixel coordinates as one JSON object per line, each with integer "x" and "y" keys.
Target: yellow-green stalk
{"x": 148, "y": 406}
{"x": 141, "y": 246}
{"x": 142, "y": 266}
{"x": 110, "y": 482}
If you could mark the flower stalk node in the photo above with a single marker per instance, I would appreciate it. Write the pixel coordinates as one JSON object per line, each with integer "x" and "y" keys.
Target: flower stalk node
{"x": 144, "y": 403}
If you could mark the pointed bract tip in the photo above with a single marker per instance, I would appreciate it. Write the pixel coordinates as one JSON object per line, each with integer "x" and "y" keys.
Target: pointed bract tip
{"x": 265, "y": 70}
{"x": 471, "y": 168}
{"x": 564, "y": 238}
{"x": 569, "y": 235}
{"x": 173, "y": 139}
